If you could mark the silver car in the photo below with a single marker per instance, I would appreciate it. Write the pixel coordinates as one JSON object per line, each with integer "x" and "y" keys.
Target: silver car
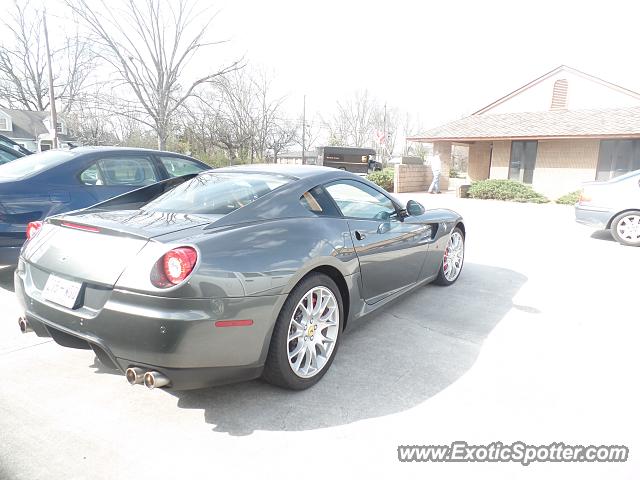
{"x": 233, "y": 274}
{"x": 613, "y": 205}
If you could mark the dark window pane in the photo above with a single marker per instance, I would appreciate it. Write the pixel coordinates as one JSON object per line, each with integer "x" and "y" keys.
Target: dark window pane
{"x": 523, "y": 160}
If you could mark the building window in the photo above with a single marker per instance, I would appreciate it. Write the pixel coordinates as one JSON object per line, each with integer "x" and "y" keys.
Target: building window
{"x": 523, "y": 160}
{"x": 559, "y": 98}
{"x": 4, "y": 124}
{"x": 617, "y": 157}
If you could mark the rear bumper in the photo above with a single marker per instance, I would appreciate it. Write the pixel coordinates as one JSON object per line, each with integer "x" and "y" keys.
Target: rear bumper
{"x": 176, "y": 337}
{"x": 593, "y": 216}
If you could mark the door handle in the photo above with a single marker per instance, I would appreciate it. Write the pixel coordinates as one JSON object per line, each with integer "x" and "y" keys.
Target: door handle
{"x": 360, "y": 235}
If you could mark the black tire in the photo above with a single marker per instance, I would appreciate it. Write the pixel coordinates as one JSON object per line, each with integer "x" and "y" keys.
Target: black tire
{"x": 614, "y": 228}
{"x": 441, "y": 279}
{"x": 277, "y": 370}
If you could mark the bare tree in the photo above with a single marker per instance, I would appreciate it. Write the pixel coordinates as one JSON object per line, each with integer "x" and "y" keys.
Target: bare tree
{"x": 23, "y": 77}
{"x": 354, "y": 123}
{"x": 148, "y": 45}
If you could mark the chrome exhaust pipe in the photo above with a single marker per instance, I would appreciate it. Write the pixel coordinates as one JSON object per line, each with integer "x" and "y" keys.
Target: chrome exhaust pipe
{"x": 155, "y": 380}
{"x": 24, "y": 325}
{"x": 135, "y": 375}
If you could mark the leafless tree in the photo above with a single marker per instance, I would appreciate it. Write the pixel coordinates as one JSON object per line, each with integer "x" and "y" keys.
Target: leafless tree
{"x": 354, "y": 123}
{"x": 23, "y": 76}
{"x": 148, "y": 45}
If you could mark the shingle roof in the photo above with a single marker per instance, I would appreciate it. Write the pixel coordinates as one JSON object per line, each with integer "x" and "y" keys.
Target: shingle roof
{"x": 29, "y": 124}
{"x": 620, "y": 122}
{"x": 26, "y": 124}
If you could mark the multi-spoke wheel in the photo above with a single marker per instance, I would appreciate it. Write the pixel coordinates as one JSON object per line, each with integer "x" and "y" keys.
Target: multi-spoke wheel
{"x": 306, "y": 334}
{"x": 453, "y": 259}
{"x": 625, "y": 228}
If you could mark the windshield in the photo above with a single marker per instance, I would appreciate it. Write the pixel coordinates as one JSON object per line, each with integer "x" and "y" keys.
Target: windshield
{"x": 625, "y": 176}
{"x": 216, "y": 193}
{"x": 35, "y": 163}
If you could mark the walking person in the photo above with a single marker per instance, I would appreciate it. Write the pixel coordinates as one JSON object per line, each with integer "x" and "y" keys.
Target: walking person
{"x": 436, "y": 168}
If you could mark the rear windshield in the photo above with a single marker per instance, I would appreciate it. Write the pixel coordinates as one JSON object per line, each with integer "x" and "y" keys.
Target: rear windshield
{"x": 216, "y": 193}
{"x": 36, "y": 163}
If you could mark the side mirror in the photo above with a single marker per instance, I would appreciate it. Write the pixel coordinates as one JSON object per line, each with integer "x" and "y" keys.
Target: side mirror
{"x": 414, "y": 208}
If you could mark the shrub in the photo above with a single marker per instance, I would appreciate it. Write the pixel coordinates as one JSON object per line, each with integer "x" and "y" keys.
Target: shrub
{"x": 506, "y": 190}
{"x": 453, "y": 173}
{"x": 569, "y": 198}
{"x": 383, "y": 179}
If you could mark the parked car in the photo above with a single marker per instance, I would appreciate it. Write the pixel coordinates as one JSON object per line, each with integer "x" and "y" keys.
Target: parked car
{"x": 613, "y": 205}
{"x": 56, "y": 181}
{"x": 9, "y": 154}
{"x": 236, "y": 273}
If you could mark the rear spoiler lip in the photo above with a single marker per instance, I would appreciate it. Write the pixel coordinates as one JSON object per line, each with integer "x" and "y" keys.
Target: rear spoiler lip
{"x": 60, "y": 221}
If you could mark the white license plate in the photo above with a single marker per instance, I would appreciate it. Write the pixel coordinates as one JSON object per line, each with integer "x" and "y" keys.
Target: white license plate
{"x": 61, "y": 291}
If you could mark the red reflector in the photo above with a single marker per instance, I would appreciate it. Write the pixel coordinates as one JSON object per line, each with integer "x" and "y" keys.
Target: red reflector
{"x": 234, "y": 323}
{"x": 32, "y": 229}
{"x": 75, "y": 226}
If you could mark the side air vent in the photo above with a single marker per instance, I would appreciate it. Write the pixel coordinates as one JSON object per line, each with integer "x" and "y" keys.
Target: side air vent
{"x": 559, "y": 99}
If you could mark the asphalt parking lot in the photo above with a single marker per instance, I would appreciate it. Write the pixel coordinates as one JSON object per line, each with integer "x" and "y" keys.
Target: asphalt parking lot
{"x": 536, "y": 342}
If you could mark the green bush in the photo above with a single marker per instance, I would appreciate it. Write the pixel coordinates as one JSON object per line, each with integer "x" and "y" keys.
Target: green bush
{"x": 383, "y": 179}
{"x": 506, "y": 190}
{"x": 569, "y": 198}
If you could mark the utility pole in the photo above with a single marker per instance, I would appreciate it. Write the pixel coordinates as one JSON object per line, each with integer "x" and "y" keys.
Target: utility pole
{"x": 384, "y": 131}
{"x": 52, "y": 96}
{"x": 304, "y": 124}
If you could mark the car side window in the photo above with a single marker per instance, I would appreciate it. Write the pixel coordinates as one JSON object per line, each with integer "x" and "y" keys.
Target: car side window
{"x": 91, "y": 176}
{"x": 129, "y": 171}
{"x": 357, "y": 200}
{"x": 177, "y": 166}
{"x": 318, "y": 201}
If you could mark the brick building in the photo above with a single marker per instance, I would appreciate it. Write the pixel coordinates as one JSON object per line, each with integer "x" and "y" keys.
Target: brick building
{"x": 559, "y": 130}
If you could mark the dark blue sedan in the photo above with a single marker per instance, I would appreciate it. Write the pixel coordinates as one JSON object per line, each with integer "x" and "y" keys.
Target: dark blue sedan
{"x": 56, "y": 181}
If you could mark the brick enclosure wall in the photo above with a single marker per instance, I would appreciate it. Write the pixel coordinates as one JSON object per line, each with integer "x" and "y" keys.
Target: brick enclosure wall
{"x": 415, "y": 178}
{"x": 479, "y": 161}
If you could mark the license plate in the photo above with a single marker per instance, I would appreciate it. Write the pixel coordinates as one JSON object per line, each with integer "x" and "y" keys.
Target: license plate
{"x": 61, "y": 291}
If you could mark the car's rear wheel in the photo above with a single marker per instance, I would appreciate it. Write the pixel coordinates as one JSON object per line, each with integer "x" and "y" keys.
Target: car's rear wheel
{"x": 452, "y": 260}
{"x": 306, "y": 335}
{"x": 625, "y": 228}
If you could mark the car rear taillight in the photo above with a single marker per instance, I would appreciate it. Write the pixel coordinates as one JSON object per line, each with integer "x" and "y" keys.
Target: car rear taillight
{"x": 32, "y": 229}
{"x": 174, "y": 267}
{"x": 584, "y": 197}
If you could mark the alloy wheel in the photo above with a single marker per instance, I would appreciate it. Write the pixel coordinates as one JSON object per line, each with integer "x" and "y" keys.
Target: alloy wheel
{"x": 628, "y": 228}
{"x": 313, "y": 332}
{"x": 453, "y": 256}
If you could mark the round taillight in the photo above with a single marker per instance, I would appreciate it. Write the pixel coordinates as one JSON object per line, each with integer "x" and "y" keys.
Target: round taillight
{"x": 32, "y": 229}
{"x": 178, "y": 263}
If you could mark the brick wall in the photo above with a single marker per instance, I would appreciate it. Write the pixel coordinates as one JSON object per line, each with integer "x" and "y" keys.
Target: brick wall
{"x": 500, "y": 159}
{"x": 416, "y": 178}
{"x": 562, "y": 165}
{"x": 479, "y": 161}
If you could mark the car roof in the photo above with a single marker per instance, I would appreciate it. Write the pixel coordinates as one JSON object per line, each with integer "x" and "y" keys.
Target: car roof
{"x": 295, "y": 171}
{"x": 94, "y": 149}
